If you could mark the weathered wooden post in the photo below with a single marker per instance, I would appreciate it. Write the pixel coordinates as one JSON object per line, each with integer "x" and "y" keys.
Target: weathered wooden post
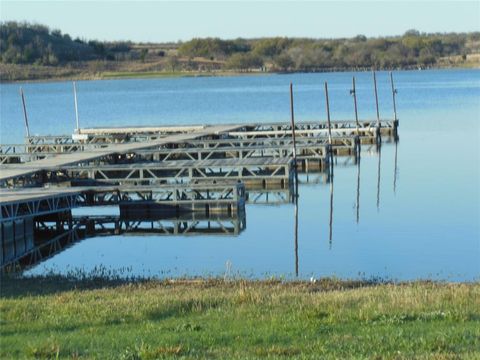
{"x": 77, "y": 129}
{"x": 25, "y": 116}
{"x": 394, "y": 93}
{"x": 354, "y": 93}
{"x": 329, "y": 131}
{"x": 292, "y": 119}
{"x": 376, "y": 103}
{"x": 357, "y": 140}
{"x": 328, "y": 115}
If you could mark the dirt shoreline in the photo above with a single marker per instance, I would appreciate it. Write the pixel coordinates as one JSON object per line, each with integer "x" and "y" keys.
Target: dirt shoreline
{"x": 118, "y": 75}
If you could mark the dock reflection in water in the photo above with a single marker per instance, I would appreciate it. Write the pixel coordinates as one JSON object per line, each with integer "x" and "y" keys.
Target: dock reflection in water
{"x": 51, "y": 238}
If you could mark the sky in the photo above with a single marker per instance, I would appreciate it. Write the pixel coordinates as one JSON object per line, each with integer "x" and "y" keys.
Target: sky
{"x": 162, "y": 21}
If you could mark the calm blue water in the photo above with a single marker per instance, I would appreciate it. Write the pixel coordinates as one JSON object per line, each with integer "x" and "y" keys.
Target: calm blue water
{"x": 427, "y": 228}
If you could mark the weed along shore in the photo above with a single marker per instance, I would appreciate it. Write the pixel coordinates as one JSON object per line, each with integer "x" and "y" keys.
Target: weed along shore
{"x": 95, "y": 318}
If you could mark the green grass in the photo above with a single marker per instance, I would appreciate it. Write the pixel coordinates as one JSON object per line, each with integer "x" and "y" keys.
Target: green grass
{"x": 331, "y": 319}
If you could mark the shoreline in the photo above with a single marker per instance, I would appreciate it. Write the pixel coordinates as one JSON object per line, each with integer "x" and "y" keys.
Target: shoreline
{"x": 120, "y": 75}
{"x": 37, "y": 284}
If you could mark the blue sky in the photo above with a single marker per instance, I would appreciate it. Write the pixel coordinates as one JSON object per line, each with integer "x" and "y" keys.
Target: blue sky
{"x": 158, "y": 21}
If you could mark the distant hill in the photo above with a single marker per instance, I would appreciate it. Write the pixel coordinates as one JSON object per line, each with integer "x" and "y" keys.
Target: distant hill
{"x": 34, "y": 51}
{"x": 24, "y": 43}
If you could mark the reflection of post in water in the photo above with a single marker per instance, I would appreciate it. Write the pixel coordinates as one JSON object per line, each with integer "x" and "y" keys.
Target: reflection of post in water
{"x": 358, "y": 190}
{"x": 395, "y": 119}
{"x": 331, "y": 213}
{"x": 296, "y": 233}
{"x": 379, "y": 150}
{"x": 296, "y": 220}
{"x": 330, "y": 177}
{"x": 395, "y": 167}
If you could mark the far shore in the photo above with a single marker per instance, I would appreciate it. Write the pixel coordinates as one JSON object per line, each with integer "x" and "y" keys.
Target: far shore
{"x": 52, "y": 74}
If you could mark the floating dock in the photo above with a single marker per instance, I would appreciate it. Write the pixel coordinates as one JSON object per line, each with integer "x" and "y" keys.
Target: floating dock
{"x": 237, "y": 141}
{"x": 165, "y": 180}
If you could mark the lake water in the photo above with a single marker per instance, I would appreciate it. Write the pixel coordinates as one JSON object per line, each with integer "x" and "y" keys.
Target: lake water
{"x": 421, "y": 221}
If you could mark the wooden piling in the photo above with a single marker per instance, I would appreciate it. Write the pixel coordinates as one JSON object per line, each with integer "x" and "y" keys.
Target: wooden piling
{"x": 376, "y": 104}
{"x": 394, "y": 93}
{"x": 328, "y": 115}
{"x": 376, "y": 97}
{"x": 329, "y": 131}
{"x": 27, "y": 128}
{"x": 354, "y": 93}
{"x": 77, "y": 130}
{"x": 292, "y": 119}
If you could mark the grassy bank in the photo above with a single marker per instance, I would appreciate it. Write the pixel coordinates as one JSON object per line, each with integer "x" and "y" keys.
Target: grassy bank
{"x": 100, "y": 71}
{"x": 134, "y": 70}
{"x": 49, "y": 318}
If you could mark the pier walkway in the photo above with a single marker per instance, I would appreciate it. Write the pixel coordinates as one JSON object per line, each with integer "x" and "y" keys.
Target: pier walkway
{"x": 53, "y": 163}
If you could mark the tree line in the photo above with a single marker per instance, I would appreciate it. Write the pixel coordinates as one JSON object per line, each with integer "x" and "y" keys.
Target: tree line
{"x": 412, "y": 49}
{"x": 24, "y": 43}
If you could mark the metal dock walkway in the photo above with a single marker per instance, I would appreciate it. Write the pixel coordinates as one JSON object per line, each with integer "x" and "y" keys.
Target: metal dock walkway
{"x": 53, "y": 163}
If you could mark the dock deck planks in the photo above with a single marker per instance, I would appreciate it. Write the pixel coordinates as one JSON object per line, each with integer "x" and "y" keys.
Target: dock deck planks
{"x": 52, "y": 163}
